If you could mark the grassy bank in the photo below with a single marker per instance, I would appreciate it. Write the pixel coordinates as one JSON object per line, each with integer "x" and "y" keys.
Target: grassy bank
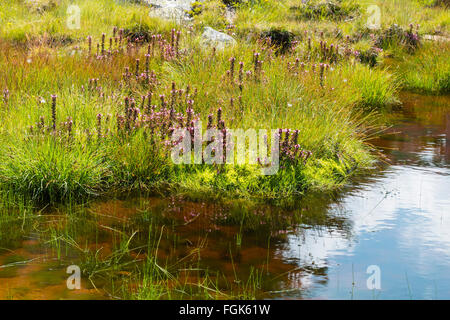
{"x": 428, "y": 70}
{"x": 72, "y": 147}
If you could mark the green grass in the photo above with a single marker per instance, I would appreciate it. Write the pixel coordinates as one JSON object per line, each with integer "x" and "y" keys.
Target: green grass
{"x": 428, "y": 70}
{"x": 49, "y": 171}
{"x": 79, "y": 166}
{"x": 335, "y": 112}
{"x": 256, "y": 16}
{"x": 21, "y": 22}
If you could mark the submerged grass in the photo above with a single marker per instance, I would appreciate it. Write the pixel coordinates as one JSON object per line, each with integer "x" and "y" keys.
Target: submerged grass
{"x": 120, "y": 257}
{"x": 153, "y": 248}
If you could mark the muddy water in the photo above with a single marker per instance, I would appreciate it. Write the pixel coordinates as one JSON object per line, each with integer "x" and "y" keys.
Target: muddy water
{"x": 397, "y": 221}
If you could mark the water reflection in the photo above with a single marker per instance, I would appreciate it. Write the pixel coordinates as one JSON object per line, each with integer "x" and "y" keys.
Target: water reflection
{"x": 400, "y": 218}
{"x": 447, "y": 138}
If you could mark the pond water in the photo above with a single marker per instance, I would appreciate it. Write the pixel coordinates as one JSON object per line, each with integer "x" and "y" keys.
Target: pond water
{"x": 400, "y": 218}
{"x": 395, "y": 221}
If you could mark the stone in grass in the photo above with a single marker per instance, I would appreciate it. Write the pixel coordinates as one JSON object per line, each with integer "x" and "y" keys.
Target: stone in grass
{"x": 170, "y": 9}
{"x": 436, "y": 38}
{"x": 41, "y": 6}
{"x": 214, "y": 38}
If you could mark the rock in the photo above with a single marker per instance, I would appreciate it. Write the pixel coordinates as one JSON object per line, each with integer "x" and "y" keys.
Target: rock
{"x": 41, "y": 5}
{"x": 170, "y": 9}
{"x": 220, "y": 40}
{"x": 435, "y": 38}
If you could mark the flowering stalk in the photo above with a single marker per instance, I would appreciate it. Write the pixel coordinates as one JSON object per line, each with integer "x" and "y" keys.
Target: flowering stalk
{"x": 137, "y": 68}
{"x": 173, "y": 95}
{"x": 99, "y": 126}
{"x": 189, "y": 112}
{"x": 241, "y": 75}
{"x": 120, "y": 38}
{"x": 256, "y": 63}
{"x": 6, "y": 96}
{"x": 163, "y": 101}
{"x": 147, "y": 65}
{"x": 219, "y": 117}
{"x": 69, "y": 126}
{"x": 210, "y": 121}
{"x": 153, "y": 43}
{"x": 177, "y": 43}
{"x": 322, "y": 67}
{"x": 103, "y": 43}
{"x": 232, "y": 60}
{"x": 90, "y": 45}
{"x": 54, "y": 112}
{"x": 172, "y": 38}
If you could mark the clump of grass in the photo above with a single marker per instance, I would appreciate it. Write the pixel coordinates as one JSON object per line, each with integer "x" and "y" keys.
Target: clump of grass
{"x": 281, "y": 39}
{"x": 427, "y": 72}
{"x": 45, "y": 171}
{"x": 136, "y": 165}
{"x": 395, "y": 36}
{"x": 370, "y": 56}
{"x": 138, "y": 32}
{"x": 232, "y": 3}
{"x": 365, "y": 87}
